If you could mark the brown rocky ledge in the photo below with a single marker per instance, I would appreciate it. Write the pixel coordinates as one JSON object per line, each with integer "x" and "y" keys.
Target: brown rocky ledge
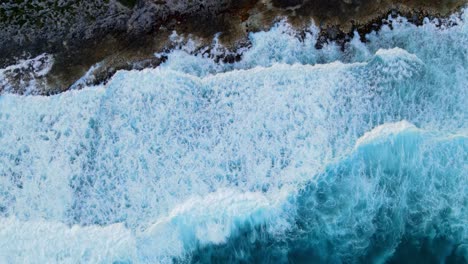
{"x": 125, "y": 34}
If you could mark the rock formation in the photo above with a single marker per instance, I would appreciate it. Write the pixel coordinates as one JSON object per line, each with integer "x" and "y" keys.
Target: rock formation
{"x": 124, "y": 34}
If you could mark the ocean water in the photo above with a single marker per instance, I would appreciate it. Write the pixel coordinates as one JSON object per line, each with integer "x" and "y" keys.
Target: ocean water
{"x": 291, "y": 155}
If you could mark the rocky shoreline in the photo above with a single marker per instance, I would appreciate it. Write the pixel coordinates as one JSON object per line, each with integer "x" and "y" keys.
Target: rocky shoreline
{"x": 125, "y": 34}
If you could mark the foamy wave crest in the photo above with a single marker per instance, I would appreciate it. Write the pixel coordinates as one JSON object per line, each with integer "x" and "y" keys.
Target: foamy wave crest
{"x": 291, "y": 154}
{"x": 382, "y": 200}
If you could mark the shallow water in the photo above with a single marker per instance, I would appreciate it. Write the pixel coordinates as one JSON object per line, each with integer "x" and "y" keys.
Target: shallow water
{"x": 291, "y": 154}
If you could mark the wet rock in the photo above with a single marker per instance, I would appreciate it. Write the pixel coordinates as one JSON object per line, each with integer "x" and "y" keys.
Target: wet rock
{"x": 287, "y": 3}
{"x": 124, "y": 34}
{"x": 26, "y": 75}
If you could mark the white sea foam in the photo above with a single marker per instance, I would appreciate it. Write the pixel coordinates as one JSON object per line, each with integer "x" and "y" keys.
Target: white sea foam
{"x": 384, "y": 132}
{"x": 27, "y": 72}
{"x": 196, "y": 222}
{"x": 160, "y": 163}
{"x": 40, "y": 241}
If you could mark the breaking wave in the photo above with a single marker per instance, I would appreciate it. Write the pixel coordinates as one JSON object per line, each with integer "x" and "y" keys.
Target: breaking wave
{"x": 291, "y": 154}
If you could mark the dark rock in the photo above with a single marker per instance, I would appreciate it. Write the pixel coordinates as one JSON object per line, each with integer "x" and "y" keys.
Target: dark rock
{"x": 287, "y": 3}
{"x": 123, "y": 34}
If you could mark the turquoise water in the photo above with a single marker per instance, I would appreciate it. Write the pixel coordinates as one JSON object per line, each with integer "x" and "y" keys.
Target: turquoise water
{"x": 290, "y": 155}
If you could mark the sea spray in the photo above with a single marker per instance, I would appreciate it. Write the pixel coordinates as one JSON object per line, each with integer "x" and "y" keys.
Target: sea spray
{"x": 290, "y": 154}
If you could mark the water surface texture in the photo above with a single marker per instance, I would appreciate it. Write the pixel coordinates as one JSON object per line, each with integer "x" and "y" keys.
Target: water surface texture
{"x": 292, "y": 154}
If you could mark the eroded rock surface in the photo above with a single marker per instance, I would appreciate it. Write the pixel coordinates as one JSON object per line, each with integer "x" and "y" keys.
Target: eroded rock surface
{"x": 125, "y": 34}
